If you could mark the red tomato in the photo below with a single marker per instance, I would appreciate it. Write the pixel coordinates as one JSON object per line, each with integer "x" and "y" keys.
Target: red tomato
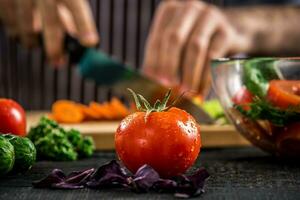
{"x": 288, "y": 140}
{"x": 243, "y": 97}
{"x": 12, "y": 118}
{"x": 169, "y": 141}
{"x": 284, "y": 93}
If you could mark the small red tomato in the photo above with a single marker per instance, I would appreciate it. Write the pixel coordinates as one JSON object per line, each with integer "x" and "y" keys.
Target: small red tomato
{"x": 166, "y": 139}
{"x": 12, "y": 118}
{"x": 243, "y": 97}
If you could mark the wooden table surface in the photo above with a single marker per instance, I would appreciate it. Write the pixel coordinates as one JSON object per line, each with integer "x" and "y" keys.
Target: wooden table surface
{"x": 236, "y": 173}
{"x": 103, "y": 132}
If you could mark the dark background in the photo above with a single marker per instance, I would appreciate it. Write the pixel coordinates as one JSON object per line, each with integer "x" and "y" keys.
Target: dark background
{"x": 24, "y": 75}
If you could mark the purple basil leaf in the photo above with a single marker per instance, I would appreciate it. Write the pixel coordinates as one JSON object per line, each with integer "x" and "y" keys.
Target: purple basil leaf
{"x": 144, "y": 179}
{"x": 108, "y": 175}
{"x": 56, "y": 176}
{"x": 75, "y": 180}
{"x": 192, "y": 185}
{"x": 165, "y": 185}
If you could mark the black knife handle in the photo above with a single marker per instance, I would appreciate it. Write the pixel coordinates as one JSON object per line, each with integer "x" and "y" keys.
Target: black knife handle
{"x": 72, "y": 46}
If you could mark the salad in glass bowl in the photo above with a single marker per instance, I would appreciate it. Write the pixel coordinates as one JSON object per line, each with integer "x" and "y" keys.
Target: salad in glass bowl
{"x": 261, "y": 97}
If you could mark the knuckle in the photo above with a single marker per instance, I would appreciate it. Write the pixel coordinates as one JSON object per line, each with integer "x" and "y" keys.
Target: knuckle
{"x": 176, "y": 38}
{"x": 197, "y": 45}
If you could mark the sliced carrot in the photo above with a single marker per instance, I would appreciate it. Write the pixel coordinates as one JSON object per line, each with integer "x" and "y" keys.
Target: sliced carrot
{"x": 102, "y": 109}
{"x": 120, "y": 110}
{"x": 89, "y": 113}
{"x": 66, "y": 111}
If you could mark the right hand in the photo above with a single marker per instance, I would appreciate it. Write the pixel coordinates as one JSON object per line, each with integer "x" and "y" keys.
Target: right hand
{"x": 184, "y": 37}
{"x": 24, "y": 19}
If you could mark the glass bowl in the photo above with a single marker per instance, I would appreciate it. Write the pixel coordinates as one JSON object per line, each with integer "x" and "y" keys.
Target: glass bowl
{"x": 260, "y": 97}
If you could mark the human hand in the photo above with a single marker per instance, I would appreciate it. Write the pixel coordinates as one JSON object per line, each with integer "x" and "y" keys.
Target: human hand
{"x": 24, "y": 19}
{"x": 184, "y": 37}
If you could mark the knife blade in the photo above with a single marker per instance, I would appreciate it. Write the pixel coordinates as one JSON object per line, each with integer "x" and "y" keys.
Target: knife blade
{"x": 104, "y": 70}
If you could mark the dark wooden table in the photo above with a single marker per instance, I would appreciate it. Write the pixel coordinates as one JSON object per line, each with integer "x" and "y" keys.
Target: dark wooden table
{"x": 236, "y": 173}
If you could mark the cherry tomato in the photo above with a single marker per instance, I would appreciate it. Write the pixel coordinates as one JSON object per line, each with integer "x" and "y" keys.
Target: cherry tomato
{"x": 169, "y": 141}
{"x": 288, "y": 140}
{"x": 243, "y": 97}
{"x": 284, "y": 93}
{"x": 12, "y": 118}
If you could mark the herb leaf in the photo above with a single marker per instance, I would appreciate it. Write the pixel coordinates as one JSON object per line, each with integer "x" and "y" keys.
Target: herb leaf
{"x": 262, "y": 109}
{"x": 257, "y": 74}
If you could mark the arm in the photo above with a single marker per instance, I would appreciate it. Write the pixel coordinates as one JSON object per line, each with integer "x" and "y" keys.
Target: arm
{"x": 274, "y": 30}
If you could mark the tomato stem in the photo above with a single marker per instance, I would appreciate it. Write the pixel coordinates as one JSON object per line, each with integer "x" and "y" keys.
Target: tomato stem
{"x": 159, "y": 106}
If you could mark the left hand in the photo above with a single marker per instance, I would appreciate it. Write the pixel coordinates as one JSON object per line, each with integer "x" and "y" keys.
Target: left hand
{"x": 184, "y": 37}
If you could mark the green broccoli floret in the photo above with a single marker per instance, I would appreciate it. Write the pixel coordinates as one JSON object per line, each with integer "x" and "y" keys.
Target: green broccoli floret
{"x": 55, "y": 143}
{"x": 83, "y": 145}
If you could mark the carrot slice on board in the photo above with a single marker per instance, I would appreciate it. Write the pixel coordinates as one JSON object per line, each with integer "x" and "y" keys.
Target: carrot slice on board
{"x": 102, "y": 109}
{"x": 65, "y": 111}
{"x": 89, "y": 113}
{"x": 119, "y": 108}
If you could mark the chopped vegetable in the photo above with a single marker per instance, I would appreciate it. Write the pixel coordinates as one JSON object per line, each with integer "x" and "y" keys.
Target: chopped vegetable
{"x": 119, "y": 108}
{"x": 164, "y": 137}
{"x": 55, "y": 143}
{"x": 113, "y": 175}
{"x": 7, "y": 156}
{"x": 257, "y": 74}
{"x": 214, "y": 109}
{"x": 103, "y": 109}
{"x": 90, "y": 113}
{"x": 67, "y": 112}
{"x": 243, "y": 97}
{"x": 25, "y": 152}
{"x": 284, "y": 93}
{"x": 262, "y": 109}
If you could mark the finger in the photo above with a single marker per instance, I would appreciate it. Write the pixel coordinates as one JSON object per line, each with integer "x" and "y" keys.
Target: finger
{"x": 7, "y": 14}
{"x": 25, "y": 22}
{"x": 196, "y": 49}
{"x": 52, "y": 29}
{"x": 84, "y": 22}
{"x": 162, "y": 18}
{"x": 174, "y": 39}
{"x": 67, "y": 20}
{"x": 205, "y": 81}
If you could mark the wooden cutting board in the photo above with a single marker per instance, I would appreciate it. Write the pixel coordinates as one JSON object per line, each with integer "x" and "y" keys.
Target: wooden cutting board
{"x": 103, "y": 132}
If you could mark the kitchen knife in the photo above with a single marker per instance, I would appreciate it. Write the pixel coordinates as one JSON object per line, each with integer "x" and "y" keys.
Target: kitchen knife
{"x": 104, "y": 70}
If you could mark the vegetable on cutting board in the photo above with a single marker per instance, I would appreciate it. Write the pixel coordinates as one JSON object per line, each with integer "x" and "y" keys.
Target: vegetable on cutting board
{"x": 164, "y": 137}
{"x": 214, "y": 109}
{"x": 66, "y": 111}
{"x": 12, "y": 117}
{"x": 55, "y": 143}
